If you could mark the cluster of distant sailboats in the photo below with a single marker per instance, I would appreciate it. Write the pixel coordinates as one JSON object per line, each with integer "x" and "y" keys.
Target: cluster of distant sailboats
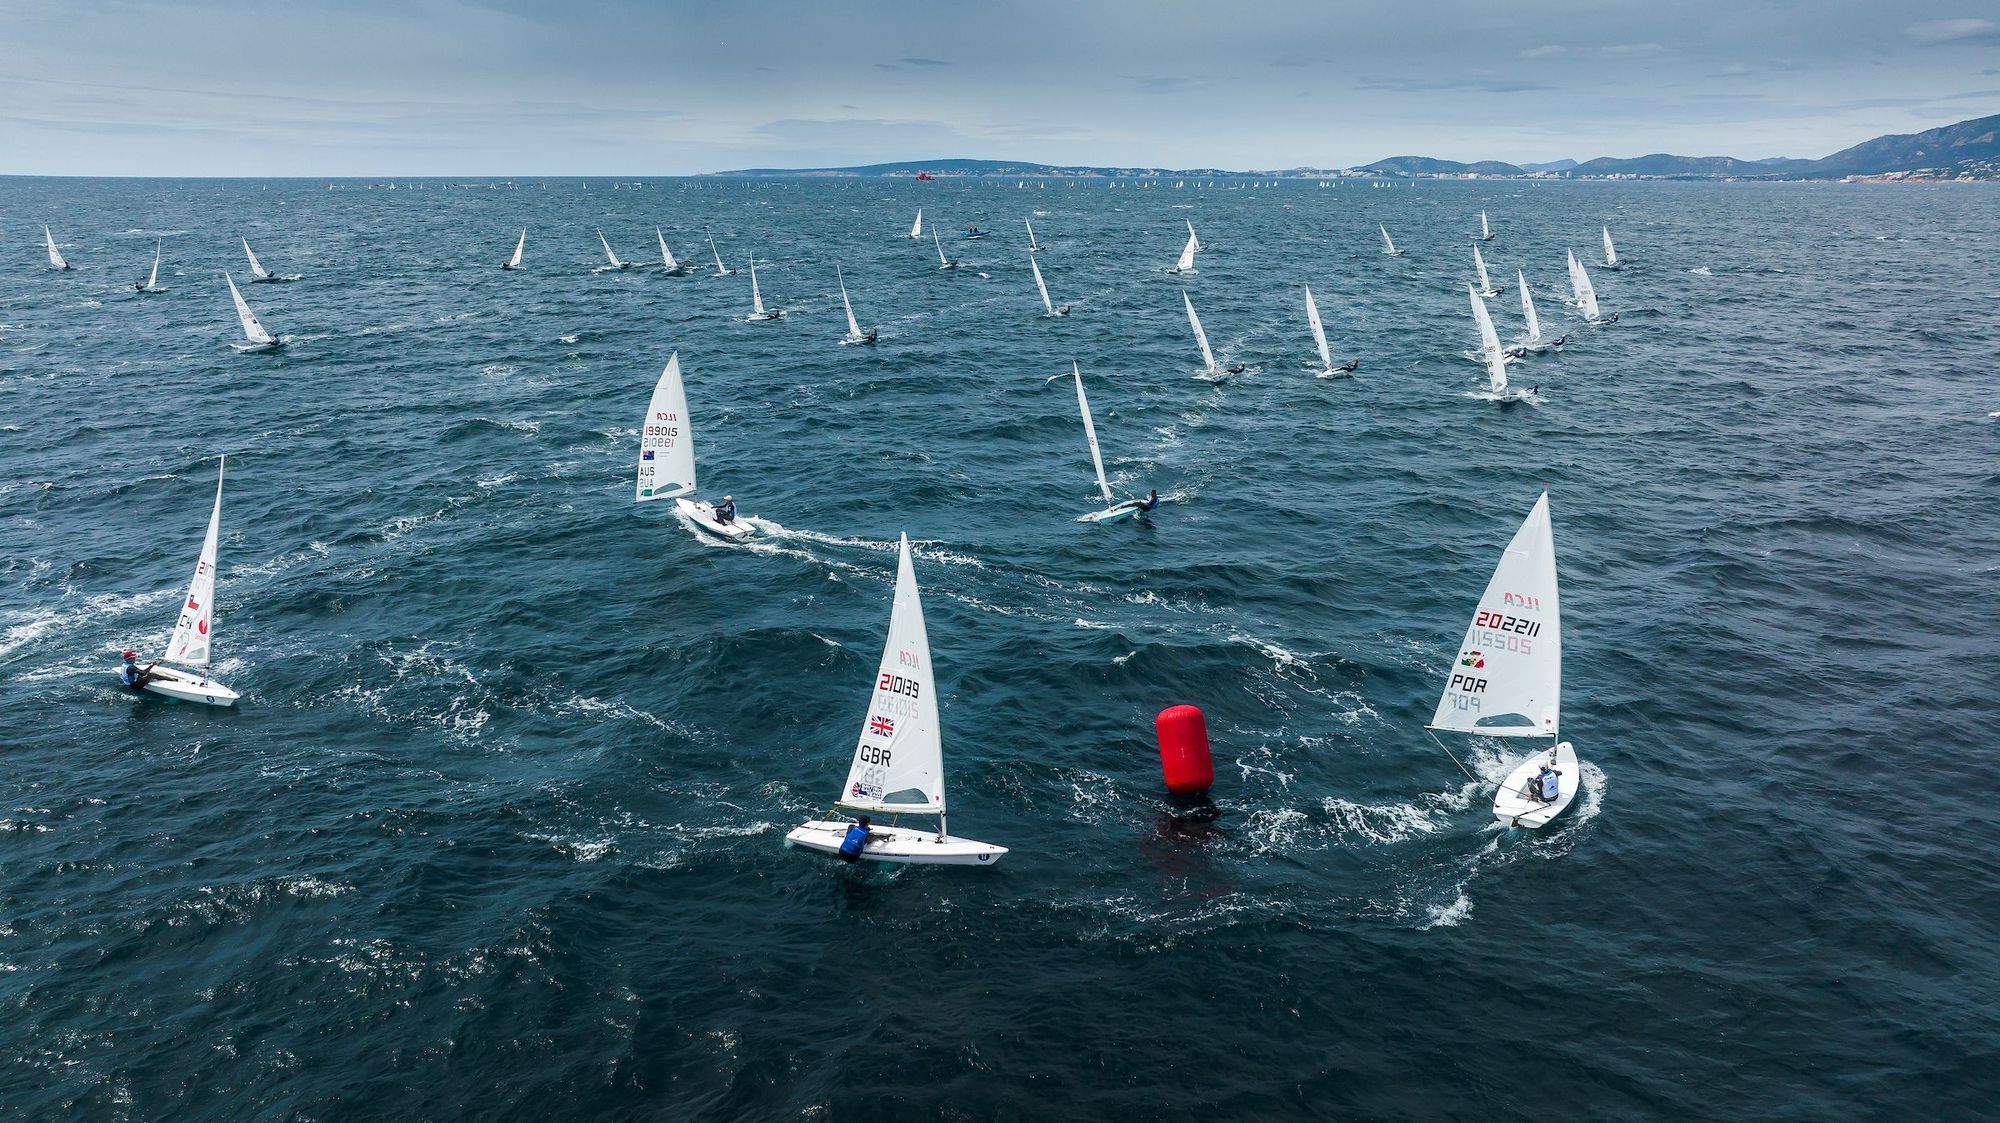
{"x": 1504, "y": 682}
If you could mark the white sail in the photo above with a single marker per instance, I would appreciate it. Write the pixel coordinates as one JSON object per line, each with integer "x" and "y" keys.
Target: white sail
{"x": 1200, "y": 336}
{"x": 55, "y": 257}
{"x": 1485, "y": 231}
{"x": 251, "y": 327}
{"x": 899, "y": 759}
{"x": 1489, "y": 345}
{"x": 608, "y": 255}
{"x": 194, "y": 633}
{"x": 1584, "y": 291}
{"x": 1528, "y": 309}
{"x": 666, "y": 255}
{"x": 1610, "y": 251}
{"x": 719, "y": 267}
{"x": 1507, "y": 679}
{"x": 257, "y": 269}
{"x": 520, "y": 247}
{"x": 1047, "y": 306}
{"x": 943, "y": 261}
{"x": 153, "y": 279}
{"x": 1388, "y": 243}
{"x": 1319, "y": 330}
{"x": 1186, "y": 263}
{"x": 917, "y": 227}
{"x": 756, "y": 296}
{"x": 666, "y": 439}
{"x": 1479, "y": 262}
{"x": 1090, "y": 433}
{"x": 1032, "y": 247}
{"x": 853, "y": 327}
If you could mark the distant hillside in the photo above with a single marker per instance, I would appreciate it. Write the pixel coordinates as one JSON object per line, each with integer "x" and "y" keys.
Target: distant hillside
{"x": 1953, "y": 146}
{"x": 1424, "y": 165}
{"x": 1971, "y": 147}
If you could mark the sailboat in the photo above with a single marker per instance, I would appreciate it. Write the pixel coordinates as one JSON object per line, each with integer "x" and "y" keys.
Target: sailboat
{"x": 757, "y": 309}
{"x": 261, "y": 275}
{"x": 612, "y": 257}
{"x": 1185, "y": 266}
{"x": 1210, "y": 372}
{"x": 1326, "y": 367}
{"x": 1048, "y": 308}
{"x": 191, "y": 647}
{"x": 854, "y": 332}
{"x": 56, "y": 259}
{"x": 1113, "y": 511}
{"x": 1585, "y": 293}
{"x": 943, "y": 261}
{"x": 674, "y": 268}
{"x": 1486, "y": 286}
{"x": 917, "y": 227}
{"x": 898, "y": 764}
{"x": 1490, "y": 352}
{"x": 1485, "y": 231}
{"x": 520, "y": 247}
{"x": 1507, "y": 679}
{"x": 666, "y": 457}
{"x": 253, "y": 329}
{"x": 1033, "y": 247}
{"x": 721, "y": 270}
{"x": 1388, "y": 243}
{"x": 152, "y": 281}
{"x": 1610, "y": 252}
{"x": 1532, "y": 338}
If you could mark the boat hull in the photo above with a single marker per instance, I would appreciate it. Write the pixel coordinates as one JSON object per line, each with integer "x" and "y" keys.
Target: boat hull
{"x": 702, "y": 515}
{"x": 1112, "y": 513}
{"x": 183, "y": 687}
{"x": 1516, "y": 809}
{"x": 897, "y": 844}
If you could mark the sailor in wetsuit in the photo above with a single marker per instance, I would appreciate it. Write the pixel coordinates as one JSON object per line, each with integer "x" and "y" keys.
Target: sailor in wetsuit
{"x": 726, "y": 512}
{"x": 1145, "y": 505}
{"x": 855, "y": 840}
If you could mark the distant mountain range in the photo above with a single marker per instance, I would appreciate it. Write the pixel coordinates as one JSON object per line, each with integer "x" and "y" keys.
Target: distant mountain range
{"x": 1967, "y": 148}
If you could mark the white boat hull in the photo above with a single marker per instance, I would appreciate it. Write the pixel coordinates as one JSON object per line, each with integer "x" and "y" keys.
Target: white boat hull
{"x": 1112, "y": 513}
{"x": 1513, "y": 807}
{"x": 183, "y": 687}
{"x": 897, "y": 844}
{"x": 702, "y": 515}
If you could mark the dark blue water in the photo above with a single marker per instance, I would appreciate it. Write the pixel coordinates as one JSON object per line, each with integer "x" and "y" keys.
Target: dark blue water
{"x": 496, "y": 832}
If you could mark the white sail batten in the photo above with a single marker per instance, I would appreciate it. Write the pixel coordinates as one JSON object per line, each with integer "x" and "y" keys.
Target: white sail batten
{"x": 1507, "y": 678}
{"x": 1319, "y": 330}
{"x": 194, "y": 634}
{"x": 1489, "y": 345}
{"x": 257, "y": 269}
{"x": 666, "y": 439}
{"x": 1047, "y": 306}
{"x": 252, "y": 328}
{"x": 1090, "y": 434}
{"x": 899, "y": 760}
{"x": 1200, "y": 336}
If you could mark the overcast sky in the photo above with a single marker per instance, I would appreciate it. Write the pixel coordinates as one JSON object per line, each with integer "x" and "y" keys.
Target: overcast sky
{"x": 656, "y": 87}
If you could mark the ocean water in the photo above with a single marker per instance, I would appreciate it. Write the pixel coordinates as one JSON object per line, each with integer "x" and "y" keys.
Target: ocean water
{"x": 496, "y": 831}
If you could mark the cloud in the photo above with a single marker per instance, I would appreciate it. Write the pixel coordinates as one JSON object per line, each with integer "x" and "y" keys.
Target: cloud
{"x": 910, "y": 63}
{"x": 1938, "y": 31}
{"x": 1602, "y": 50}
{"x": 1447, "y": 85}
{"x": 1169, "y": 85}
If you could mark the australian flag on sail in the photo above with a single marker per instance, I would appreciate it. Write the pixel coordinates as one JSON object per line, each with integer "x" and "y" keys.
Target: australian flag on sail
{"x": 881, "y": 726}
{"x": 646, "y": 455}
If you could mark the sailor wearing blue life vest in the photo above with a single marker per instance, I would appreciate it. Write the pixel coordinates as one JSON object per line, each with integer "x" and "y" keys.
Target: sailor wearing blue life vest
{"x": 1548, "y": 784}
{"x": 857, "y": 837}
{"x": 726, "y": 513}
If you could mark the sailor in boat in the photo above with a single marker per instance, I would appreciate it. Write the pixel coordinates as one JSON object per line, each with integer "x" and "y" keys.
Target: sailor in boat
{"x": 1611, "y": 319}
{"x": 870, "y": 335}
{"x": 726, "y": 512}
{"x": 1146, "y": 505}
{"x": 132, "y": 675}
{"x": 1235, "y": 368}
{"x": 1348, "y": 367}
{"x": 1545, "y": 786}
{"x": 1556, "y": 344}
{"x": 1515, "y": 352}
{"x": 1063, "y": 311}
{"x": 856, "y": 840}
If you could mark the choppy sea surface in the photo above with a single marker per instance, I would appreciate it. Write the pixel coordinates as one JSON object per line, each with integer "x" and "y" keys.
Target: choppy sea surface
{"x": 496, "y": 830}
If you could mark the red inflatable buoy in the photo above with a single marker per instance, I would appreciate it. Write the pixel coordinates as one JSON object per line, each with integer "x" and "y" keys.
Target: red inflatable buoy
{"x": 1184, "y": 759}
